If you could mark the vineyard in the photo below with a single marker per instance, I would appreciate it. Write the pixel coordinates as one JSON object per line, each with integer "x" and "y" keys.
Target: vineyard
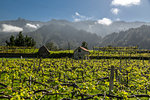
{"x": 119, "y": 52}
{"x": 7, "y": 49}
{"x": 96, "y": 52}
{"x": 69, "y": 79}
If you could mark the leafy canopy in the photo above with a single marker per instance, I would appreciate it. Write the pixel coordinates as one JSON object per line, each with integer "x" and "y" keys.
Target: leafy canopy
{"x": 20, "y": 40}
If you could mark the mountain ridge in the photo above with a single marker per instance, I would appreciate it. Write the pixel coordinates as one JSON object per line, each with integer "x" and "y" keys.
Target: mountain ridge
{"x": 133, "y": 37}
{"x": 62, "y": 31}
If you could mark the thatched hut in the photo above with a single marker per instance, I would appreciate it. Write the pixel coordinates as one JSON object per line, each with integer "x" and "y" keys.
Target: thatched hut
{"x": 43, "y": 51}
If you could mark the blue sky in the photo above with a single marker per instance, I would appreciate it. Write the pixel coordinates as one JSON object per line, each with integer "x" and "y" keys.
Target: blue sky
{"x": 76, "y": 10}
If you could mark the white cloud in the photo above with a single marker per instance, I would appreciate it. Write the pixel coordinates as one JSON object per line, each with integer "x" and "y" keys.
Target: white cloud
{"x": 104, "y": 21}
{"x": 77, "y": 20}
{"x": 118, "y": 19}
{"x": 10, "y": 28}
{"x": 32, "y": 25}
{"x": 77, "y": 14}
{"x": 115, "y": 11}
{"x": 78, "y": 17}
{"x": 126, "y": 2}
{"x": 37, "y": 25}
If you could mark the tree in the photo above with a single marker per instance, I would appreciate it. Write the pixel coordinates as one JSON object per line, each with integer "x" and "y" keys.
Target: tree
{"x": 84, "y": 44}
{"x": 21, "y": 41}
{"x": 29, "y": 41}
{"x": 12, "y": 41}
{"x": 68, "y": 46}
{"x": 33, "y": 43}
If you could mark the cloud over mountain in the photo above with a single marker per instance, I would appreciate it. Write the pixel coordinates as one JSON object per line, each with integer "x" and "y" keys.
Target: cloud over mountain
{"x": 78, "y": 17}
{"x": 32, "y": 25}
{"x": 10, "y": 28}
{"x": 104, "y": 21}
{"x": 61, "y": 31}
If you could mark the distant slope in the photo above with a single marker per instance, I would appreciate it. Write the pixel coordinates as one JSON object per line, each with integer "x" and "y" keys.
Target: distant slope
{"x": 62, "y": 31}
{"x": 62, "y": 34}
{"x": 132, "y": 37}
{"x": 99, "y": 29}
{"x": 26, "y": 25}
{"x": 89, "y": 26}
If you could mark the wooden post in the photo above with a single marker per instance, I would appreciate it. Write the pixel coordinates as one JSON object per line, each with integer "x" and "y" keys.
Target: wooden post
{"x": 82, "y": 75}
{"x": 30, "y": 80}
{"x": 143, "y": 61}
{"x": 111, "y": 79}
{"x": 146, "y": 89}
{"x": 93, "y": 72}
{"x": 2, "y": 62}
{"x": 127, "y": 78}
{"x": 116, "y": 71}
{"x": 12, "y": 81}
{"x": 20, "y": 72}
{"x": 64, "y": 77}
{"x": 120, "y": 65}
{"x": 39, "y": 68}
{"x": 59, "y": 76}
{"x": 73, "y": 93}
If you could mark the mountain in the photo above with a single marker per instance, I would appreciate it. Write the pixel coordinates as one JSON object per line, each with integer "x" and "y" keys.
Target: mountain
{"x": 100, "y": 29}
{"x": 14, "y": 26}
{"x": 62, "y": 34}
{"x": 132, "y": 37}
{"x": 91, "y": 26}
